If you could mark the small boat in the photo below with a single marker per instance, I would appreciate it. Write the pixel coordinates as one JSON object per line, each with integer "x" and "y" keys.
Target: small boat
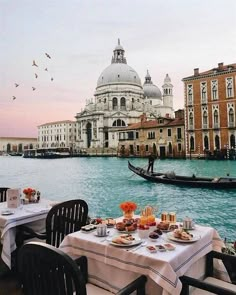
{"x": 191, "y": 181}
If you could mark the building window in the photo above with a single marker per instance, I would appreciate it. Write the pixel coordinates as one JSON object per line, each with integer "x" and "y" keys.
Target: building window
{"x": 118, "y": 123}
{"x": 137, "y": 135}
{"x": 169, "y": 132}
{"x": 229, "y": 87}
{"x": 231, "y": 118}
{"x": 216, "y": 119}
{"x": 204, "y": 120}
{"x": 190, "y": 94}
{"x": 146, "y": 147}
{"x": 161, "y": 130}
{"x": 114, "y": 103}
{"x": 122, "y": 103}
{"x": 232, "y": 141}
{"x": 191, "y": 143}
{"x": 214, "y": 90}
{"x": 191, "y": 120}
{"x": 137, "y": 147}
{"x": 170, "y": 148}
{"x": 206, "y": 143}
{"x": 204, "y": 92}
{"x": 151, "y": 135}
{"x": 217, "y": 142}
{"x": 179, "y": 133}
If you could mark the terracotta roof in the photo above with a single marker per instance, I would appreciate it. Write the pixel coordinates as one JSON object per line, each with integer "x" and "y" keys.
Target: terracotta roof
{"x": 57, "y": 122}
{"x": 218, "y": 69}
{"x": 154, "y": 123}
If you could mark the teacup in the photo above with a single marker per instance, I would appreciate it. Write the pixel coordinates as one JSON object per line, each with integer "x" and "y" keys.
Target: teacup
{"x": 101, "y": 230}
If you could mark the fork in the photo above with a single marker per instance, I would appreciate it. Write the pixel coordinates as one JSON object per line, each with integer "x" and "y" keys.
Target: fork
{"x": 138, "y": 247}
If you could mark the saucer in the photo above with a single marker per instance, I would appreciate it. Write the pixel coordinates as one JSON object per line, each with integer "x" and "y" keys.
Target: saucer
{"x": 96, "y": 235}
{"x": 7, "y": 212}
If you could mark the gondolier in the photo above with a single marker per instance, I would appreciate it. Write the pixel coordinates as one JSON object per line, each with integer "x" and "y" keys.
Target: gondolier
{"x": 151, "y": 160}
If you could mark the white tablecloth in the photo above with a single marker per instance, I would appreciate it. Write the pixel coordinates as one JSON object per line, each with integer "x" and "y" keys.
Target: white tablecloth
{"x": 112, "y": 267}
{"x": 33, "y": 215}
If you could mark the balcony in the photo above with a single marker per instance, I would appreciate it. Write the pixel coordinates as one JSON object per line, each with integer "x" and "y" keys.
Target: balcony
{"x": 204, "y": 126}
{"x": 216, "y": 126}
{"x": 204, "y": 101}
{"x": 190, "y": 127}
{"x": 231, "y": 124}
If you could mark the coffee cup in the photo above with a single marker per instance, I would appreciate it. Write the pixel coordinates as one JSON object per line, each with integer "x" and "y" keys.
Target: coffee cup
{"x": 101, "y": 230}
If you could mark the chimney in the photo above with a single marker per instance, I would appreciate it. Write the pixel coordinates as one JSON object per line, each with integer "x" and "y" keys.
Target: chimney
{"x": 196, "y": 72}
{"x": 143, "y": 118}
{"x": 220, "y": 65}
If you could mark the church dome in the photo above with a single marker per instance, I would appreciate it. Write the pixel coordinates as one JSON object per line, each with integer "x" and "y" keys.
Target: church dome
{"x": 151, "y": 90}
{"x": 118, "y": 71}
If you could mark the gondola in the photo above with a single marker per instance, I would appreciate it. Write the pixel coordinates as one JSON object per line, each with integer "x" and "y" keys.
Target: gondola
{"x": 191, "y": 181}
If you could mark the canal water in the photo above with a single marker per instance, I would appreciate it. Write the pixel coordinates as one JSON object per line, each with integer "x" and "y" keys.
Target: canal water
{"x": 105, "y": 182}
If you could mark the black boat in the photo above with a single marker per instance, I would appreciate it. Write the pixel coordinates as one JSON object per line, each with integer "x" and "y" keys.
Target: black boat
{"x": 191, "y": 181}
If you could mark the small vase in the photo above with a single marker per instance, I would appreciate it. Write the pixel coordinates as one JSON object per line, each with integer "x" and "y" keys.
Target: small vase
{"x": 128, "y": 214}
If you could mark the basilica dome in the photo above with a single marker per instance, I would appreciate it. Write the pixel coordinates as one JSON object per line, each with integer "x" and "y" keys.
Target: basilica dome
{"x": 150, "y": 90}
{"x": 118, "y": 71}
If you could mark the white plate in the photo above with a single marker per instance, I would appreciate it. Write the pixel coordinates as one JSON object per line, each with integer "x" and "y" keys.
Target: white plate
{"x": 7, "y": 212}
{"x": 172, "y": 238}
{"x": 137, "y": 241}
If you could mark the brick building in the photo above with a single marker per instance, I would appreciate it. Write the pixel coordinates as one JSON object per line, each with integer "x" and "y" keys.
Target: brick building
{"x": 164, "y": 137}
{"x": 210, "y": 105}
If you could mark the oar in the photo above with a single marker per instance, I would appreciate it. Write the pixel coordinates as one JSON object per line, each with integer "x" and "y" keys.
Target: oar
{"x": 141, "y": 168}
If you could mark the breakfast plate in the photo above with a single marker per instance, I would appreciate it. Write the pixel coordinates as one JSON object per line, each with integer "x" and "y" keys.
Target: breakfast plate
{"x": 172, "y": 238}
{"x": 134, "y": 242}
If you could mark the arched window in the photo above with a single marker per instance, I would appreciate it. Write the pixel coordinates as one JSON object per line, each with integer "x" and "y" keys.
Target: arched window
{"x": 118, "y": 123}
{"x": 20, "y": 148}
{"x": 191, "y": 143}
{"x": 191, "y": 120}
{"x": 216, "y": 118}
{"x": 114, "y": 103}
{"x": 206, "y": 143}
{"x": 232, "y": 141}
{"x": 217, "y": 142}
{"x": 231, "y": 118}
{"x": 122, "y": 103}
{"x": 204, "y": 119}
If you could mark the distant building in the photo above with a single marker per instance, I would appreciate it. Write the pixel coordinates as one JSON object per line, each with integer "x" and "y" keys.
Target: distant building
{"x": 16, "y": 144}
{"x": 210, "y": 107}
{"x": 164, "y": 137}
{"x": 120, "y": 99}
{"x": 57, "y": 134}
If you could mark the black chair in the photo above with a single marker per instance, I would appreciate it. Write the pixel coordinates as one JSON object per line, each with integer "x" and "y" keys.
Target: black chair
{"x": 62, "y": 219}
{"x": 211, "y": 284}
{"x": 3, "y": 194}
{"x": 46, "y": 270}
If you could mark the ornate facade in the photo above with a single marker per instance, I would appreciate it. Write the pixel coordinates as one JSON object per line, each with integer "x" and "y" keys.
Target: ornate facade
{"x": 210, "y": 107}
{"x": 119, "y": 100}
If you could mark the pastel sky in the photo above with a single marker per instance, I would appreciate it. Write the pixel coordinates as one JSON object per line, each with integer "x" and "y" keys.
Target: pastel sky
{"x": 171, "y": 36}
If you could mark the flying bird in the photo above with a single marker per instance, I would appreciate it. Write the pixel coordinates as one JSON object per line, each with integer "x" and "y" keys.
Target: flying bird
{"x": 13, "y": 97}
{"x": 36, "y": 76}
{"x": 33, "y": 88}
{"x": 47, "y": 55}
{"x": 46, "y": 69}
{"x": 34, "y": 64}
{"x": 52, "y": 79}
{"x": 16, "y": 84}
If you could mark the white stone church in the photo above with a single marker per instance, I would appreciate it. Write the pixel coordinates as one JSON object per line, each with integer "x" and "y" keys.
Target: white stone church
{"x": 119, "y": 100}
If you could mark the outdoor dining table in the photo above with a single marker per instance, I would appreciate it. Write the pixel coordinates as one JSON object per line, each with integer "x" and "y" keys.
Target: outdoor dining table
{"x": 32, "y": 214}
{"x": 112, "y": 267}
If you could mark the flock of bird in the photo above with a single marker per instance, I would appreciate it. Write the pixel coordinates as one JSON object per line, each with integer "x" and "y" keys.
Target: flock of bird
{"x": 35, "y": 74}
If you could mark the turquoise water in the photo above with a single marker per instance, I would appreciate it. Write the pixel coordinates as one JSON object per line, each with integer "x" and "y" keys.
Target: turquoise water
{"x": 105, "y": 182}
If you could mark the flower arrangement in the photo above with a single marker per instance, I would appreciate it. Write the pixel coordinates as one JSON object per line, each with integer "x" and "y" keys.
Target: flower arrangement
{"x": 128, "y": 206}
{"x": 29, "y": 191}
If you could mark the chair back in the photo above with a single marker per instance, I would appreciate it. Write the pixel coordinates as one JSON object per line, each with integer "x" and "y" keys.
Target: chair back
{"x": 46, "y": 270}
{"x": 3, "y": 194}
{"x": 65, "y": 218}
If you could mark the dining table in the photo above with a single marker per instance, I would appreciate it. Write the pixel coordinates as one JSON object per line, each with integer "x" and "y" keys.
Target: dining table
{"x": 112, "y": 266}
{"x": 31, "y": 214}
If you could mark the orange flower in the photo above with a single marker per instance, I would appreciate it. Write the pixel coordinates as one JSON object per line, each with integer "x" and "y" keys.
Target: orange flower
{"x": 29, "y": 191}
{"x": 128, "y": 206}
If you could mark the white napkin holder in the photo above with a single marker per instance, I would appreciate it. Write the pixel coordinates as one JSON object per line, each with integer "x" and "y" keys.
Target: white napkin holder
{"x": 13, "y": 198}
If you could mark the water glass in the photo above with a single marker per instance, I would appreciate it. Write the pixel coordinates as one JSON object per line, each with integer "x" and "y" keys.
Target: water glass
{"x": 101, "y": 230}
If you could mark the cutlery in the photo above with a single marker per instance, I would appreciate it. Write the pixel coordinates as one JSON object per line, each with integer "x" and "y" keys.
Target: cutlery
{"x": 138, "y": 247}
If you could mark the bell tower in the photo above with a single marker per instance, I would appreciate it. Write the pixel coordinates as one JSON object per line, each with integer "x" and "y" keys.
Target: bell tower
{"x": 118, "y": 54}
{"x": 167, "y": 92}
